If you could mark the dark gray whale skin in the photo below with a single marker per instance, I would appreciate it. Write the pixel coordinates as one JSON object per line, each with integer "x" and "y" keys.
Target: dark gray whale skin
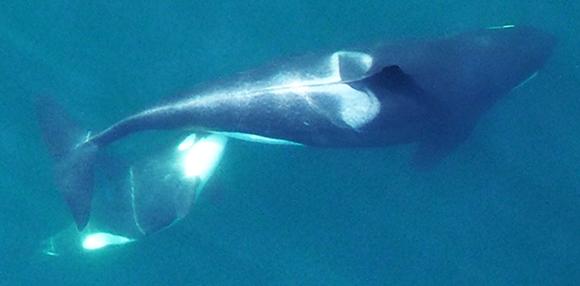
{"x": 430, "y": 92}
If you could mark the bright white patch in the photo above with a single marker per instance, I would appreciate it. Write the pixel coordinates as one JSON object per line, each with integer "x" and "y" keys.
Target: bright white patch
{"x": 350, "y": 65}
{"x": 199, "y": 158}
{"x": 298, "y": 87}
{"x": 296, "y": 84}
{"x": 187, "y": 143}
{"x": 257, "y": 138}
{"x": 357, "y": 108}
{"x": 99, "y": 240}
{"x": 341, "y": 66}
{"x": 501, "y": 27}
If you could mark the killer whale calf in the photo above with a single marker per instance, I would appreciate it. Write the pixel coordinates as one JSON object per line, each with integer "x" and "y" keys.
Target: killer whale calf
{"x": 136, "y": 198}
{"x": 429, "y": 92}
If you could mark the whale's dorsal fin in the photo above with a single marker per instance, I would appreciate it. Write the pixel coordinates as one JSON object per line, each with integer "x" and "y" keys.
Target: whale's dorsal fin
{"x": 391, "y": 78}
{"x": 394, "y": 79}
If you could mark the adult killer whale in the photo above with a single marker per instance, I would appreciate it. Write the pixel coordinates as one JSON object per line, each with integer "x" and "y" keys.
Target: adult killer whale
{"x": 430, "y": 92}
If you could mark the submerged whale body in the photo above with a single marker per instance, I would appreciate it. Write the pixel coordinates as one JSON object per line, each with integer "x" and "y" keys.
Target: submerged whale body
{"x": 429, "y": 92}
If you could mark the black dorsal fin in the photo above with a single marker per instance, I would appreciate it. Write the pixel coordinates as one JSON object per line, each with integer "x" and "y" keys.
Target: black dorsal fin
{"x": 394, "y": 79}
{"x": 391, "y": 78}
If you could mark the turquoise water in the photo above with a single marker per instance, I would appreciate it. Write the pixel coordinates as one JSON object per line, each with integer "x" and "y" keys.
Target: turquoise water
{"x": 502, "y": 210}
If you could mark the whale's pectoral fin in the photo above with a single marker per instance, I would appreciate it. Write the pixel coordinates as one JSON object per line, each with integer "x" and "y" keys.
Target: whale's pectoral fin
{"x": 430, "y": 154}
{"x": 441, "y": 137}
{"x": 160, "y": 196}
{"x": 75, "y": 160}
{"x": 442, "y": 133}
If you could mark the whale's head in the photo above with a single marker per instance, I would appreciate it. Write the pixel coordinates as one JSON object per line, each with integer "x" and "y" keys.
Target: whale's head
{"x": 510, "y": 55}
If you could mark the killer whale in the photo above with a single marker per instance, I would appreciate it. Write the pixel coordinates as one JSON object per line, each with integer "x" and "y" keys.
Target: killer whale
{"x": 430, "y": 92}
{"x": 136, "y": 198}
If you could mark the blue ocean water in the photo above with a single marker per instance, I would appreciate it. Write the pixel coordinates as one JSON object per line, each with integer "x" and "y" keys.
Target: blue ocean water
{"x": 502, "y": 210}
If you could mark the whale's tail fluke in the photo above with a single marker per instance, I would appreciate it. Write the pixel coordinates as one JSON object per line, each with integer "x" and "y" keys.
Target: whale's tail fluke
{"x": 75, "y": 157}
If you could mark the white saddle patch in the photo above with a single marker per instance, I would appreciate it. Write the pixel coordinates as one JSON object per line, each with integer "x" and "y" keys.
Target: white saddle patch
{"x": 357, "y": 108}
{"x": 350, "y": 65}
{"x": 341, "y": 66}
